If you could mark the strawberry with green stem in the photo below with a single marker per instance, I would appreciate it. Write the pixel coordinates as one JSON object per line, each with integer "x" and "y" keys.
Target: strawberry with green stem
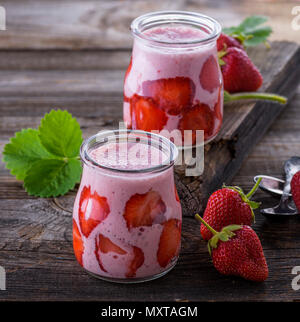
{"x": 239, "y": 73}
{"x": 236, "y": 250}
{"x": 227, "y": 206}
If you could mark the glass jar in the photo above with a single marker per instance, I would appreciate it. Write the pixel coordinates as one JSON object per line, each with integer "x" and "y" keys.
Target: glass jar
{"x": 174, "y": 81}
{"x": 127, "y": 214}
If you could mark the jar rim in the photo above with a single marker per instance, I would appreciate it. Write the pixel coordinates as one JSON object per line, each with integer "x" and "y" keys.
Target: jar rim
{"x": 156, "y": 18}
{"x": 102, "y": 138}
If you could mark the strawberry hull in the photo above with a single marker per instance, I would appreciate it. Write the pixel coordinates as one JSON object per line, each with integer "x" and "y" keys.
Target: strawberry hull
{"x": 176, "y": 80}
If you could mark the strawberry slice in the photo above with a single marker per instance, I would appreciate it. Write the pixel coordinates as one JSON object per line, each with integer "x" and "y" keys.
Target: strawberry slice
{"x": 171, "y": 94}
{"x": 92, "y": 210}
{"x": 126, "y": 99}
{"x": 210, "y": 74}
{"x": 78, "y": 245}
{"x": 200, "y": 117}
{"x": 144, "y": 209}
{"x": 128, "y": 69}
{"x": 137, "y": 261}
{"x": 218, "y": 106}
{"x": 146, "y": 115}
{"x": 169, "y": 243}
{"x": 105, "y": 245}
{"x": 176, "y": 194}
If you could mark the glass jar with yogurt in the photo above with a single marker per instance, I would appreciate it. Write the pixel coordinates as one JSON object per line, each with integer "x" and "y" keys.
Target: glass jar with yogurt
{"x": 127, "y": 214}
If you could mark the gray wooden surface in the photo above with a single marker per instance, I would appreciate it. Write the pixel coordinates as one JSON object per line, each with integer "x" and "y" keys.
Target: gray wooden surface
{"x": 35, "y": 234}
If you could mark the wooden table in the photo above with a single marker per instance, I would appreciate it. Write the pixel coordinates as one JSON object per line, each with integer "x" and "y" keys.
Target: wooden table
{"x": 50, "y": 57}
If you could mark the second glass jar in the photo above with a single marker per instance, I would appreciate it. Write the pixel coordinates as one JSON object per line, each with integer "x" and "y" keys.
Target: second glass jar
{"x": 174, "y": 81}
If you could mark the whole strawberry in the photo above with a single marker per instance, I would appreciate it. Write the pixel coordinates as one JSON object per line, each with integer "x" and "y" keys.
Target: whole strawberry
{"x": 225, "y": 41}
{"x": 239, "y": 72}
{"x": 228, "y": 206}
{"x": 295, "y": 188}
{"x": 236, "y": 250}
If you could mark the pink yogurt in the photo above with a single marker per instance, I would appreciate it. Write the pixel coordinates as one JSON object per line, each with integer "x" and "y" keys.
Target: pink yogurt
{"x": 113, "y": 249}
{"x": 165, "y": 53}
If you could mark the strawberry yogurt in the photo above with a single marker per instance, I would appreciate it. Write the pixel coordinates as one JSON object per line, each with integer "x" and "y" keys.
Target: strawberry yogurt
{"x": 173, "y": 81}
{"x": 127, "y": 214}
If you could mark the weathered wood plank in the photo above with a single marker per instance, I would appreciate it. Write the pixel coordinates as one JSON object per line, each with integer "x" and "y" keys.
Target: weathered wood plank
{"x": 105, "y": 24}
{"x": 36, "y": 250}
{"x": 104, "y": 87}
{"x": 241, "y": 131}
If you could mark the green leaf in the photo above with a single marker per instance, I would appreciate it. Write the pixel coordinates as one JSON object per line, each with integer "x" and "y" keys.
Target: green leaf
{"x": 252, "y": 22}
{"x": 22, "y": 151}
{"x": 259, "y": 35}
{"x": 60, "y": 134}
{"x": 52, "y": 177}
{"x": 230, "y": 30}
{"x": 250, "y": 32}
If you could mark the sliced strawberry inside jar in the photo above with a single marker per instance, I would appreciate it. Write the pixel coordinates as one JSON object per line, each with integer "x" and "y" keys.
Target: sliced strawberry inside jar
{"x": 144, "y": 209}
{"x": 78, "y": 245}
{"x": 169, "y": 243}
{"x": 145, "y": 115}
{"x": 105, "y": 246}
{"x": 210, "y": 75}
{"x": 170, "y": 94}
{"x": 136, "y": 262}
{"x": 93, "y": 209}
{"x": 200, "y": 117}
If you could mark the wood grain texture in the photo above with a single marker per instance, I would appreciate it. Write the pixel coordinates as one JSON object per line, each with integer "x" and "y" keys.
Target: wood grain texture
{"x": 80, "y": 24}
{"x": 36, "y": 250}
{"x": 35, "y": 234}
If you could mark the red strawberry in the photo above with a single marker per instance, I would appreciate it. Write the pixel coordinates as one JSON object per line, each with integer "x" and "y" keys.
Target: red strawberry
{"x": 218, "y": 108}
{"x": 228, "y": 206}
{"x": 144, "y": 209}
{"x": 239, "y": 72}
{"x": 105, "y": 245}
{"x": 225, "y": 41}
{"x": 78, "y": 245}
{"x": 169, "y": 243}
{"x": 126, "y": 99}
{"x": 128, "y": 69}
{"x": 92, "y": 210}
{"x": 210, "y": 78}
{"x": 200, "y": 117}
{"x": 176, "y": 194}
{"x": 137, "y": 261}
{"x": 236, "y": 250}
{"x": 146, "y": 115}
{"x": 171, "y": 94}
{"x": 295, "y": 188}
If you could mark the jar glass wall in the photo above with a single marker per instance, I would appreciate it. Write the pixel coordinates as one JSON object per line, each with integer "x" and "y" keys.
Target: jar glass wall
{"x": 127, "y": 214}
{"x": 174, "y": 81}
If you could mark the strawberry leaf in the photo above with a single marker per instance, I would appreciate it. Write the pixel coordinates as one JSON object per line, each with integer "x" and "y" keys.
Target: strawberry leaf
{"x": 250, "y": 32}
{"x": 260, "y": 35}
{"x": 47, "y": 159}
{"x": 52, "y": 177}
{"x": 22, "y": 151}
{"x": 60, "y": 134}
{"x": 252, "y": 22}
